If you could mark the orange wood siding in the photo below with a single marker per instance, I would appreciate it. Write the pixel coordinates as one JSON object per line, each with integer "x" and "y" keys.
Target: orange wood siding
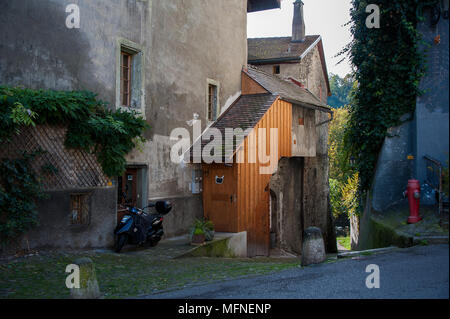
{"x": 252, "y": 187}
{"x": 249, "y": 86}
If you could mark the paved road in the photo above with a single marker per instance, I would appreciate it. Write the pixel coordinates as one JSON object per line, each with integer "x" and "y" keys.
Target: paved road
{"x": 417, "y": 272}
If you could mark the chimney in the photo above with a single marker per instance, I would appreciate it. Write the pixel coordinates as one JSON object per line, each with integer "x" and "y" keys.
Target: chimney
{"x": 298, "y": 25}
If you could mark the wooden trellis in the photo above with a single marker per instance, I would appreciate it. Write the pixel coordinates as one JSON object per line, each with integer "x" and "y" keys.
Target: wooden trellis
{"x": 59, "y": 167}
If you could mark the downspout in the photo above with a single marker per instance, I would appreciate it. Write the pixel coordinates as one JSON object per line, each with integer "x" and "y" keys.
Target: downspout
{"x": 329, "y": 120}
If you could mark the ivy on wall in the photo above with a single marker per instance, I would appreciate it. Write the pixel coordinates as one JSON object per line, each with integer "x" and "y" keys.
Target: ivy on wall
{"x": 19, "y": 190}
{"x": 110, "y": 135}
{"x": 389, "y": 66}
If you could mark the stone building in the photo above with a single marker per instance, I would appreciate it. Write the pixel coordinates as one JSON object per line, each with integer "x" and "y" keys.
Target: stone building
{"x": 301, "y": 60}
{"x": 258, "y": 186}
{"x": 170, "y": 61}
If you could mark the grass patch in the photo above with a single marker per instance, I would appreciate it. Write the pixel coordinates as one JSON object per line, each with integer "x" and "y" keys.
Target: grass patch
{"x": 366, "y": 253}
{"x": 423, "y": 242}
{"x": 345, "y": 242}
{"x": 126, "y": 275}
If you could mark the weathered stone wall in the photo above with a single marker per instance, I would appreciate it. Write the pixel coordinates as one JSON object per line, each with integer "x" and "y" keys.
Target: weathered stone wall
{"x": 431, "y": 124}
{"x": 316, "y": 186}
{"x": 55, "y": 229}
{"x": 311, "y": 74}
{"x": 308, "y": 71}
{"x": 426, "y": 134}
{"x": 286, "y": 69}
{"x": 303, "y": 136}
{"x": 393, "y": 168}
{"x": 286, "y": 186}
{"x": 183, "y": 43}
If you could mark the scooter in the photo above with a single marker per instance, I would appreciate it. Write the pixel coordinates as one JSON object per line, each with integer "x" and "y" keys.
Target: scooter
{"x": 138, "y": 227}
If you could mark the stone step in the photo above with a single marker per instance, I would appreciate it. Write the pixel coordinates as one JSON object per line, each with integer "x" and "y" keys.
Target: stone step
{"x": 430, "y": 240}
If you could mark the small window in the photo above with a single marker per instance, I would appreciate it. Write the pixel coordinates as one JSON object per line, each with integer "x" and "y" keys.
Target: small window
{"x": 129, "y": 76}
{"x": 212, "y": 102}
{"x": 125, "y": 78}
{"x": 276, "y": 69}
{"x": 79, "y": 209}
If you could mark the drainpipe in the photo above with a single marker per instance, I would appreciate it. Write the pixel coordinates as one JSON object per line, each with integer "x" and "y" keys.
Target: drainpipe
{"x": 326, "y": 121}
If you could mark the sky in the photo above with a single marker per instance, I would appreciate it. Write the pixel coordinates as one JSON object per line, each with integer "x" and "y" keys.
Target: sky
{"x": 323, "y": 17}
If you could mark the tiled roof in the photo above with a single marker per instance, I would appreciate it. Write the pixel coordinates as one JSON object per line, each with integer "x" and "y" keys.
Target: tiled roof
{"x": 249, "y": 109}
{"x": 278, "y": 48}
{"x": 285, "y": 89}
{"x": 244, "y": 113}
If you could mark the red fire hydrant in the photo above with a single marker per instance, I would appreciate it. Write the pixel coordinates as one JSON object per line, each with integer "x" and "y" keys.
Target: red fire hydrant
{"x": 413, "y": 193}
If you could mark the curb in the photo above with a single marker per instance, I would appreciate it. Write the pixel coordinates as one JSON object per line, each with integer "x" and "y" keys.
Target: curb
{"x": 366, "y": 252}
{"x": 430, "y": 240}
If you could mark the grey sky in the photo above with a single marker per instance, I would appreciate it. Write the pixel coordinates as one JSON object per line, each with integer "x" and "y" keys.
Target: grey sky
{"x": 324, "y": 17}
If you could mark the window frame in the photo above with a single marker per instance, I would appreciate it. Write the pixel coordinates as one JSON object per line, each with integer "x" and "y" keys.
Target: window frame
{"x": 83, "y": 208}
{"x": 216, "y": 84}
{"x": 133, "y": 49}
{"x": 129, "y": 77}
{"x": 276, "y": 68}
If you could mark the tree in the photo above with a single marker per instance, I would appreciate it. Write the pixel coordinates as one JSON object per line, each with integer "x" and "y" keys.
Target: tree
{"x": 343, "y": 177}
{"x": 341, "y": 89}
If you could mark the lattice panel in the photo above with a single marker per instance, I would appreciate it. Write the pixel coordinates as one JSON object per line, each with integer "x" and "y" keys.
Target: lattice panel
{"x": 60, "y": 168}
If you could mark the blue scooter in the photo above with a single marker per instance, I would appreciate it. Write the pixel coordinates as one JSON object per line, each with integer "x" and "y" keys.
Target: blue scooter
{"x": 138, "y": 227}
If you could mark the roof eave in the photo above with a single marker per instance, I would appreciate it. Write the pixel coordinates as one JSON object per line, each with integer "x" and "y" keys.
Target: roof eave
{"x": 307, "y": 105}
{"x": 274, "y": 60}
{"x": 261, "y": 5}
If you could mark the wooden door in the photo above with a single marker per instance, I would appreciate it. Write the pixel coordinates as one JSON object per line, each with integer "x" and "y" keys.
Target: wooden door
{"x": 261, "y": 226}
{"x": 219, "y": 197}
{"x": 127, "y": 183}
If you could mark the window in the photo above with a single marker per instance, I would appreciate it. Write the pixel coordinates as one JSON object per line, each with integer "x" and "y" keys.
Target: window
{"x": 129, "y": 76}
{"x": 125, "y": 78}
{"x": 79, "y": 209}
{"x": 212, "y": 102}
{"x": 276, "y": 69}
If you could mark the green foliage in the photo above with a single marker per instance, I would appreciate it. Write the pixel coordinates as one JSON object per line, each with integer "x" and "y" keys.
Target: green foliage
{"x": 341, "y": 169}
{"x": 199, "y": 231}
{"x": 345, "y": 242}
{"x": 336, "y": 198}
{"x": 389, "y": 66}
{"x": 110, "y": 135}
{"x": 203, "y": 226}
{"x": 19, "y": 188}
{"x": 350, "y": 199}
{"x": 341, "y": 89}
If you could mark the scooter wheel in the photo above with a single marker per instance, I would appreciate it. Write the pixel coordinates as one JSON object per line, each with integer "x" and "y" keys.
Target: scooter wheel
{"x": 154, "y": 242}
{"x": 120, "y": 242}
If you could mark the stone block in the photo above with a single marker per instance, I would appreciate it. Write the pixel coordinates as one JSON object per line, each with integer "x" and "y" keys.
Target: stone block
{"x": 313, "y": 249}
{"x": 89, "y": 288}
